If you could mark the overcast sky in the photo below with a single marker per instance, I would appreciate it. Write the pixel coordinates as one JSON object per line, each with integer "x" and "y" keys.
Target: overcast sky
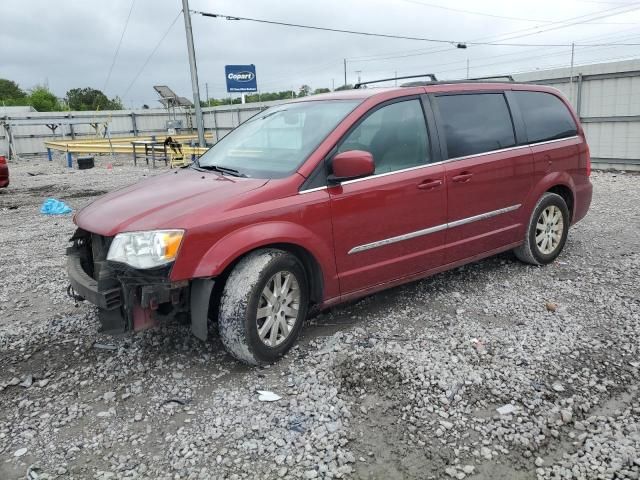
{"x": 71, "y": 43}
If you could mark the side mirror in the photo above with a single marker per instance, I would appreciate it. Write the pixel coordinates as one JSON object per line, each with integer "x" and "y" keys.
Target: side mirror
{"x": 351, "y": 165}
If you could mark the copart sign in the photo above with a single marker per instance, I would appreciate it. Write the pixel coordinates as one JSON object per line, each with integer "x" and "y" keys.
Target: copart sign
{"x": 241, "y": 78}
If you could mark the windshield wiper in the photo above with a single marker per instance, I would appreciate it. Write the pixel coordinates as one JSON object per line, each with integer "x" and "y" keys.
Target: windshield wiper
{"x": 226, "y": 170}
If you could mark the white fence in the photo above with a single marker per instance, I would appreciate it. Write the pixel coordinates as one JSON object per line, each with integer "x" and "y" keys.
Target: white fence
{"x": 28, "y": 131}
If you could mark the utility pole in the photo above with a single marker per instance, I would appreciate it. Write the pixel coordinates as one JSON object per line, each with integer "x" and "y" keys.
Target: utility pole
{"x": 206, "y": 85}
{"x": 194, "y": 71}
{"x": 573, "y": 48}
{"x": 358, "y": 72}
{"x": 345, "y": 72}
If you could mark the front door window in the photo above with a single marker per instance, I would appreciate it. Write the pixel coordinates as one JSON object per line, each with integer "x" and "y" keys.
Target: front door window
{"x": 396, "y": 136}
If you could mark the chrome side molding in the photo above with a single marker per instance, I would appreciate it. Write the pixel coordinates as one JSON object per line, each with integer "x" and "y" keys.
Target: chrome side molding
{"x": 430, "y": 230}
{"x": 399, "y": 238}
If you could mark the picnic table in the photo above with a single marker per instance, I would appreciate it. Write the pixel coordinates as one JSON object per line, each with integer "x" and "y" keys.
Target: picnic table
{"x": 150, "y": 148}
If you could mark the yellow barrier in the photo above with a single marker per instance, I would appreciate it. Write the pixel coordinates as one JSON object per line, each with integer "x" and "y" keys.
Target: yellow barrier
{"x": 183, "y": 137}
{"x": 121, "y": 145}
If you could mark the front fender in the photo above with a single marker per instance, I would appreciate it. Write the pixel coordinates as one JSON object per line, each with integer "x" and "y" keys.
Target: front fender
{"x": 241, "y": 241}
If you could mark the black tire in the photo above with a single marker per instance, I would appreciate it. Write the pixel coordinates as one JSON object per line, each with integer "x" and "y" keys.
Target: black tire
{"x": 530, "y": 251}
{"x": 241, "y": 297}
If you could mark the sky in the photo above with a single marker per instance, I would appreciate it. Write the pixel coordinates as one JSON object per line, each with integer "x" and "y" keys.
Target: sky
{"x": 72, "y": 43}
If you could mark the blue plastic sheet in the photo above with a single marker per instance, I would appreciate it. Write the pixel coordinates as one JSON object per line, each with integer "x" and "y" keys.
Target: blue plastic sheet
{"x": 51, "y": 206}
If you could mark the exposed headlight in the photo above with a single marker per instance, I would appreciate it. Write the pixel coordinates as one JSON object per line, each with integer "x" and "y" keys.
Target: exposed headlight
{"x": 146, "y": 249}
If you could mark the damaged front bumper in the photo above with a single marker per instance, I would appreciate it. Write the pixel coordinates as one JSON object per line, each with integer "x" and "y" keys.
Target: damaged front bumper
{"x": 130, "y": 299}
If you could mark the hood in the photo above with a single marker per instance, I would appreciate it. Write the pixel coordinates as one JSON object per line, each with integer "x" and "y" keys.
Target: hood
{"x": 170, "y": 200}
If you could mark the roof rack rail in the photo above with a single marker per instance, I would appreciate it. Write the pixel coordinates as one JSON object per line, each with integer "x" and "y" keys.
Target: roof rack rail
{"x": 493, "y": 77}
{"x": 430, "y": 75}
{"x": 496, "y": 79}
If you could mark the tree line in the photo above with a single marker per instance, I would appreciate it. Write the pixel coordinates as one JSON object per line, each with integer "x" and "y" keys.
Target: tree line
{"x": 304, "y": 91}
{"x": 43, "y": 100}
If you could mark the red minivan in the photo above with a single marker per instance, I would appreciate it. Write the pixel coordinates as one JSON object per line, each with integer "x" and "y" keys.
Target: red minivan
{"x": 330, "y": 198}
{"x": 4, "y": 172}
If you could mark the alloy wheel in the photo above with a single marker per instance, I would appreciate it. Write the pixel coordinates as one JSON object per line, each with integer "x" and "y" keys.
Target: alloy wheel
{"x": 549, "y": 230}
{"x": 278, "y": 308}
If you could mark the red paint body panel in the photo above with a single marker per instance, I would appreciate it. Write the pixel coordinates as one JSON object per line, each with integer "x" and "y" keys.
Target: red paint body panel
{"x": 487, "y": 183}
{"x": 300, "y": 220}
{"x": 180, "y": 199}
{"x": 383, "y": 207}
{"x": 355, "y": 163}
{"x": 226, "y": 217}
{"x": 4, "y": 175}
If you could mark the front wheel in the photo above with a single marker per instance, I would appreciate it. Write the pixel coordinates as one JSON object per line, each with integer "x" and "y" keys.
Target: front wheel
{"x": 263, "y": 306}
{"x": 547, "y": 231}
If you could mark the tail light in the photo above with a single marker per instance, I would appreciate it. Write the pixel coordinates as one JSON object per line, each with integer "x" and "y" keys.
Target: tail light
{"x": 588, "y": 161}
{"x": 3, "y": 160}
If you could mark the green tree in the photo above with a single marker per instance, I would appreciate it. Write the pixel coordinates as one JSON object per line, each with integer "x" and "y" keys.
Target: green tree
{"x": 304, "y": 91}
{"x": 9, "y": 90}
{"x": 91, "y": 99}
{"x": 43, "y": 100}
{"x": 116, "y": 104}
{"x": 344, "y": 87}
{"x": 255, "y": 97}
{"x": 321, "y": 90}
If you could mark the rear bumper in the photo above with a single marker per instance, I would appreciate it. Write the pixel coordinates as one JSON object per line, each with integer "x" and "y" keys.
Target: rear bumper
{"x": 583, "y": 195}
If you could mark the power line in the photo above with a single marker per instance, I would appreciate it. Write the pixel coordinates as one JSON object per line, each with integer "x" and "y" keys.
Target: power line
{"x": 326, "y": 29}
{"x": 511, "y": 35}
{"x": 398, "y": 37}
{"x": 115, "y": 55}
{"x": 527, "y": 31}
{"x": 470, "y": 12}
{"x": 152, "y": 53}
{"x": 520, "y": 59}
{"x": 506, "y": 17}
{"x": 484, "y": 66}
{"x": 578, "y": 21}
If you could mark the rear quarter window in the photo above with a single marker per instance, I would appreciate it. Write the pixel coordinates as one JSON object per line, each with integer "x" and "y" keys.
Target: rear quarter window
{"x": 475, "y": 123}
{"x": 545, "y": 116}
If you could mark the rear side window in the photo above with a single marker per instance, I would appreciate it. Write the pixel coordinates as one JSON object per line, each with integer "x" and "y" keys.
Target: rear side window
{"x": 545, "y": 116}
{"x": 476, "y": 123}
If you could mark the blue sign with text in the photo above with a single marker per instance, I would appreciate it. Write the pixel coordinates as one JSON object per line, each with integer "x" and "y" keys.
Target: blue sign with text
{"x": 241, "y": 78}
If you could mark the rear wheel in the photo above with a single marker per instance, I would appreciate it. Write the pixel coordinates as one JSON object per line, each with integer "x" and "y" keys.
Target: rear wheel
{"x": 547, "y": 231}
{"x": 263, "y": 306}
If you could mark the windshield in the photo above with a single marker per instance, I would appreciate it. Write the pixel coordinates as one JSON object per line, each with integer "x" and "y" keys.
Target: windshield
{"x": 275, "y": 142}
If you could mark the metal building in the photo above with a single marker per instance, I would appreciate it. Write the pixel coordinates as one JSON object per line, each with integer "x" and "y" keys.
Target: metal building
{"x": 607, "y": 99}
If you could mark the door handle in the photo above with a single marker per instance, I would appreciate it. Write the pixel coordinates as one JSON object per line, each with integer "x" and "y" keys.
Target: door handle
{"x": 463, "y": 177}
{"x": 429, "y": 184}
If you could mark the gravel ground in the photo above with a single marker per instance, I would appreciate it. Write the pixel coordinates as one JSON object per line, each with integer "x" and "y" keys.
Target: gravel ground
{"x": 496, "y": 370}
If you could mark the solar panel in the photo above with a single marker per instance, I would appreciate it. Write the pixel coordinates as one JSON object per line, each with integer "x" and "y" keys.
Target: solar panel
{"x": 184, "y": 102}
{"x": 169, "y": 98}
{"x": 164, "y": 91}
